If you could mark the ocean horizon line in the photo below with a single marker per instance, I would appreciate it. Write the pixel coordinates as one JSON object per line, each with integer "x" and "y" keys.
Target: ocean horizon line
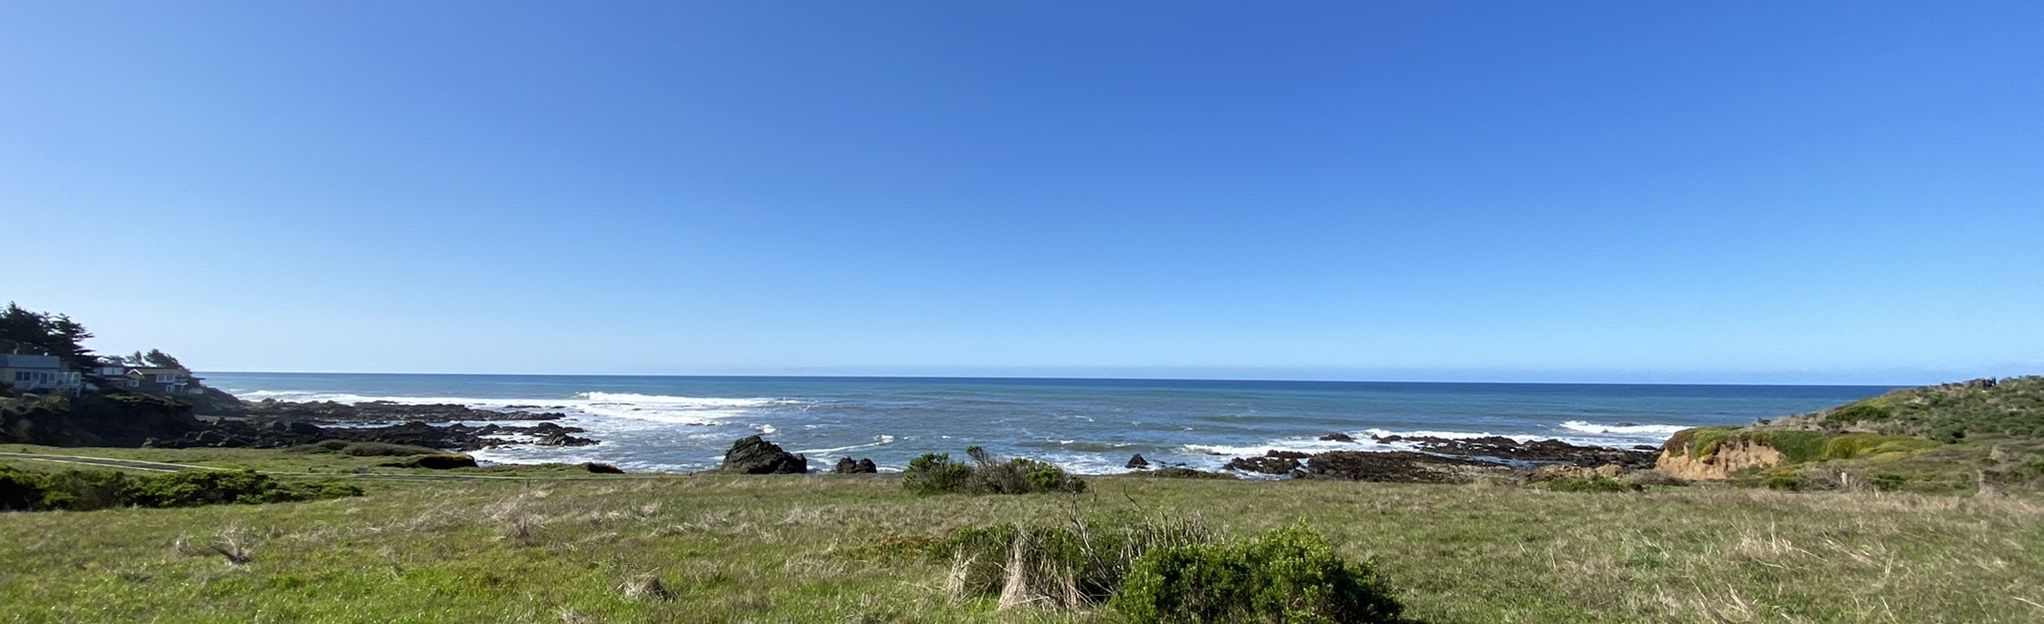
{"x": 1066, "y": 378}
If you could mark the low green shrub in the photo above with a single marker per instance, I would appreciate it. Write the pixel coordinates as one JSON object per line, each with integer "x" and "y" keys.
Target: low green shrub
{"x": 1796, "y": 446}
{"x": 435, "y": 461}
{"x": 1887, "y": 482}
{"x": 1069, "y": 565}
{"x": 1857, "y": 412}
{"x": 83, "y": 490}
{"x": 1291, "y": 575}
{"x": 1784, "y": 480}
{"x": 322, "y": 446}
{"x": 19, "y": 491}
{"x": 937, "y": 473}
{"x": 87, "y": 490}
{"x": 1698, "y": 442}
{"x": 381, "y": 449}
{"x": 1592, "y": 484}
{"x": 1874, "y": 446}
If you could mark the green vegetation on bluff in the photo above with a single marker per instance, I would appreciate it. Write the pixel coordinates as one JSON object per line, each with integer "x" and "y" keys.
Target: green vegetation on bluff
{"x": 522, "y": 547}
{"x": 1799, "y": 446}
{"x": 1978, "y": 436}
{"x": 87, "y": 490}
{"x": 1983, "y": 409}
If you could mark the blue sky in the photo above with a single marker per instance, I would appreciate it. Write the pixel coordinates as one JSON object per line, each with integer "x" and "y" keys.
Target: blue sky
{"x": 1721, "y": 191}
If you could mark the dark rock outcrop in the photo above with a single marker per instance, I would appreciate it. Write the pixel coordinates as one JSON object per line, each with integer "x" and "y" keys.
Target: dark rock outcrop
{"x": 115, "y": 419}
{"x": 1181, "y": 472}
{"x": 1337, "y": 437}
{"x": 1397, "y": 467}
{"x": 846, "y": 465}
{"x": 1535, "y": 451}
{"x": 1137, "y": 462}
{"x": 1271, "y": 464}
{"x": 380, "y": 411}
{"x": 600, "y": 468}
{"x": 126, "y": 419}
{"x": 755, "y": 455}
{"x": 550, "y": 434}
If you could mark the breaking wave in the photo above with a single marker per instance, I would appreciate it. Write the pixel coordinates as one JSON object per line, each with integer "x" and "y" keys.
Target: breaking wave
{"x": 1660, "y": 431}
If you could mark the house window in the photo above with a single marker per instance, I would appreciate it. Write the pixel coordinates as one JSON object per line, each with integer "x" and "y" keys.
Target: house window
{"x": 21, "y": 375}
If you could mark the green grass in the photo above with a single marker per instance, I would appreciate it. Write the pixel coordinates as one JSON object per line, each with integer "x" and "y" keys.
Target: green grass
{"x": 1700, "y": 441}
{"x": 2007, "y": 408}
{"x": 824, "y": 548}
{"x": 294, "y": 460}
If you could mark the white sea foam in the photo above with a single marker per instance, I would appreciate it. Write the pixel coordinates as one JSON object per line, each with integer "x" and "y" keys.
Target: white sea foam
{"x": 681, "y": 401}
{"x": 1299, "y": 444}
{"x": 878, "y": 441}
{"x": 1642, "y": 431}
{"x": 652, "y": 408}
{"x": 1367, "y": 440}
{"x": 1085, "y": 463}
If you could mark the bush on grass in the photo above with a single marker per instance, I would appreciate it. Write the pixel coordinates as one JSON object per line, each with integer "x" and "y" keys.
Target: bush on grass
{"x": 363, "y": 449}
{"x": 1066, "y": 566}
{"x": 1290, "y": 575}
{"x": 1591, "y": 484}
{"x": 435, "y": 461}
{"x": 383, "y": 449}
{"x": 87, "y": 490}
{"x": 937, "y": 473}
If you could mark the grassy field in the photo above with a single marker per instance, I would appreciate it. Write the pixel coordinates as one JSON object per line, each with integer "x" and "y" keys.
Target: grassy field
{"x": 842, "y": 549}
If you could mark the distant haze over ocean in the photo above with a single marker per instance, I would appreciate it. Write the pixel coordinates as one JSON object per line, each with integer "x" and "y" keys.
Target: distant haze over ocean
{"x": 1090, "y": 425}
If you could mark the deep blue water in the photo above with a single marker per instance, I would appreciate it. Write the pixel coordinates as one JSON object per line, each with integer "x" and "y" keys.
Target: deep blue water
{"x": 1091, "y": 425}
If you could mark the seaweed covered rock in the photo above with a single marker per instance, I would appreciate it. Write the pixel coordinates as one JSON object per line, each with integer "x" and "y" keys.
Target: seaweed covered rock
{"x": 755, "y": 455}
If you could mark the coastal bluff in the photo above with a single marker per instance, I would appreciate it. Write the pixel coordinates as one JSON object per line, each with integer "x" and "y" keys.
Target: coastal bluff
{"x": 1676, "y": 460}
{"x": 1979, "y": 434}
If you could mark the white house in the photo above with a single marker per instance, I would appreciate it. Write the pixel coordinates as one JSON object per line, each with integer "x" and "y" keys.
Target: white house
{"x": 38, "y": 372}
{"x": 162, "y": 380}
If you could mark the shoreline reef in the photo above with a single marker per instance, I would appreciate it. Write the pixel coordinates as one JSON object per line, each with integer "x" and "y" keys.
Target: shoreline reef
{"x": 120, "y": 419}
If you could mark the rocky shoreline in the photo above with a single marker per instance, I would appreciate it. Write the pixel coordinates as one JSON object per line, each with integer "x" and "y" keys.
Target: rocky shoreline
{"x": 146, "y": 421}
{"x": 1437, "y": 460}
{"x": 330, "y": 412}
{"x": 141, "y": 420}
{"x": 1448, "y": 460}
{"x": 275, "y": 424}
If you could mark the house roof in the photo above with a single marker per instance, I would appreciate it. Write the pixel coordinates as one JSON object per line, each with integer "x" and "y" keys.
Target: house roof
{"x": 11, "y": 360}
{"x": 150, "y": 370}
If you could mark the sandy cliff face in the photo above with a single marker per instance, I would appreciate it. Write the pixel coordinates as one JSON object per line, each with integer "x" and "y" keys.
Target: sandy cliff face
{"x": 1730, "y": 457}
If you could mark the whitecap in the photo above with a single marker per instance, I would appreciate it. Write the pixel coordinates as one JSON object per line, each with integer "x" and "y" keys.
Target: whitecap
{"x": 878, "y": 441}
{"x": 1654, "y": 431}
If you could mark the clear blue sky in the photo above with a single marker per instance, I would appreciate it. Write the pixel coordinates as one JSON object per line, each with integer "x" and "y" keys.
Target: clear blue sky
{"x": 1614, "y": 191}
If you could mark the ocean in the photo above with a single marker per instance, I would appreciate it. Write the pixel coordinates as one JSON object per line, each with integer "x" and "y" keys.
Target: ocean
{"x": 1087, "y": 425}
